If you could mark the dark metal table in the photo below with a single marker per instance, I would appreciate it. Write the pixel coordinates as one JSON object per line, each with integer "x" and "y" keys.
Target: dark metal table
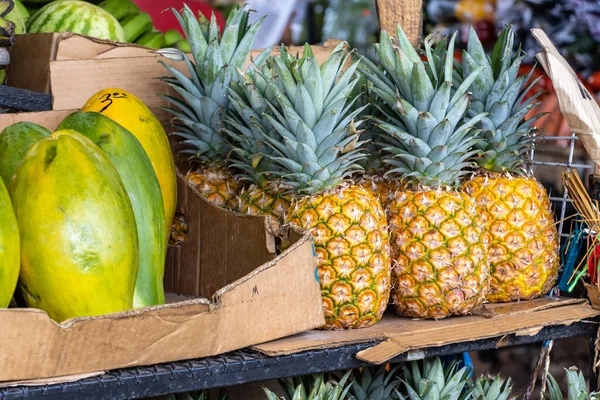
{"x": 248, "y": 366}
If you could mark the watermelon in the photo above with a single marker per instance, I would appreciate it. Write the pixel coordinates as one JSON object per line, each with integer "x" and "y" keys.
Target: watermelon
{"x": 78, "y": 17}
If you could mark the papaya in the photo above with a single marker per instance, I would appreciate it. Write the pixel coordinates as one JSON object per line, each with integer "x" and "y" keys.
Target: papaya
{"x": 15, "y": 141}
{"x": 130, "y": 112}
{"x": 136, "y": 172}
{"x": 9, "y": 248}
{"x": 79, "y": 243}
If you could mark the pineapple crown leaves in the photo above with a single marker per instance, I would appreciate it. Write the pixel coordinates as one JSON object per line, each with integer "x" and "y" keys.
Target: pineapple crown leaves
{"x": 426, "y": 135}
{"x": 315, "y": 387}
{"x": 576, "y": 387}
{"x": 317, "y": 144}
{"x": 200, "y": 110}
{"x": 246, "y": 125}
{"x": 499, "y": 91}
{"x": 434, "y": 382}
{"x": 488, "y": 388}
{"x": 374, "y": 383}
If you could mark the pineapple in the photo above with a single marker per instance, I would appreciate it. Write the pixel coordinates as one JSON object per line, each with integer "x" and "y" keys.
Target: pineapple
{"x": 576, "y": 387}
{"x": 429, "y": 380}
{"x": 523, "y": 248}
{"x": 313, "y": 387}
{"x": 375, "y": 383}
{"x": 247, "y": 126}
{"x": 316, "y": 149}
{"x": 198, "y": 115}
{"x": 437, "y": 234}
{"x": 488, "y": 388}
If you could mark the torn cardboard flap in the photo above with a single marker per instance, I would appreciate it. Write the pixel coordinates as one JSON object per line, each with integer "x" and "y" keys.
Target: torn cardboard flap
{"x": 401, "y": 335}
{"x": 579, "y": 107}
{"x": 251, "y": 310}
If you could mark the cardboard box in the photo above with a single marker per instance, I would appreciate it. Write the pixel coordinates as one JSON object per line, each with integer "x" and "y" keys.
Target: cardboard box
{"x": 73, "y": 67}
{"x": 249, "y": 294}
{"x": 263, "y": 305}
{"x": 402, "y": 335}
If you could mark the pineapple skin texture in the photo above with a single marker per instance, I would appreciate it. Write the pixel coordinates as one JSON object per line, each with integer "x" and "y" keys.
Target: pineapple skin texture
{"x": 384, "y": 190}
{"x": 523, "y": 248}
{"x": 265, "y": 201}
{"x": 217, "y": 186}
{"x": 351, "y": 241}
{"x": 439, "y": 252}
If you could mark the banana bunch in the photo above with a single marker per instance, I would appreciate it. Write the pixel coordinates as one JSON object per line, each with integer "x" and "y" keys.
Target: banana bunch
{"x": 7, "y": 31}
{"x": 139, "y": 28}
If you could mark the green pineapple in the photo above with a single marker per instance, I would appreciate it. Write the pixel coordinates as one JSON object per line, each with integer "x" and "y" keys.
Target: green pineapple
{"x": 429, "y": 380}
{"x": 313, "y": 387}
{"x": 488, "y": 388}
{"x": 375, "y": 383}
{"x": 198, "y": 115}
{"x": 576, "y": 387}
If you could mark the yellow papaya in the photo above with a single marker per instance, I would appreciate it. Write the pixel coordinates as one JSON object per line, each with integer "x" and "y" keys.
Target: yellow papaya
{"x": 9, "y": 248}
{"x": 15, "y": 141}
{"x": 79, "y": 245}
{"x": 135, "y": 170}
{"x": 131, "y": 113}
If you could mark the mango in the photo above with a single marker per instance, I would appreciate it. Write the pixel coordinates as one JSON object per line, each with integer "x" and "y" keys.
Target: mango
{"x": 136, "y": 172}
{"x": 79, "y": 243}
{"x": 131, "y": 113}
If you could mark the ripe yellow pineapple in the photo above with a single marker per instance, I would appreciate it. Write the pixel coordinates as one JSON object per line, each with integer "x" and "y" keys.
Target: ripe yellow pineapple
{"x": 523, "y": 246}
{"x": 314, "y": 149}
{"x": 200, "y": 110}
{"x": 351, "y": 241}
{"x": 437, "y": 236}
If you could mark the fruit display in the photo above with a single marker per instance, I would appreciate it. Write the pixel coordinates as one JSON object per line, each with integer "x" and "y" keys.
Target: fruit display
{"x": 78, "y": 17}
{"x": 130, "y": 112}
{"x": 78, "y": 239}
{"x": 200, "y": 110}
{"x": 523, "y": 248}
{"x": 437, "y": 234}
{"x": 136, "y": 172}
{"x": 100, "y": 225}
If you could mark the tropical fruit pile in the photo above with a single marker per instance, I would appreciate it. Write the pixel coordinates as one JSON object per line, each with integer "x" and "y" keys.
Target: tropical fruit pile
{"x": 119, "y": 20}
{"x": 410, "y": 173}
{"x": 87, "y": 206}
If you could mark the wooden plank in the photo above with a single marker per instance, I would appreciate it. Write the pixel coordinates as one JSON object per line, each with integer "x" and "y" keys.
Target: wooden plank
{"x": 408, "y": 13}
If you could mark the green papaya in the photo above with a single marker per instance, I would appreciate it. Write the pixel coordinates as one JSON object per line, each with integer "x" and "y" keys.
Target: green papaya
{"x": 15, "y": 141}
{"x": 9, "y": 248}
{"x": 136, "y": 172}
{"x": 79, "y": 246}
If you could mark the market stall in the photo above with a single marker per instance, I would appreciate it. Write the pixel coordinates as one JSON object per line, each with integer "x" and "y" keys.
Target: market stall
{"x": 197, "y": 215}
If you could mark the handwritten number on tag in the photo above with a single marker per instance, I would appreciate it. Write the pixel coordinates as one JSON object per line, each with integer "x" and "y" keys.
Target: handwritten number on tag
{"x": 108, "y": 98}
